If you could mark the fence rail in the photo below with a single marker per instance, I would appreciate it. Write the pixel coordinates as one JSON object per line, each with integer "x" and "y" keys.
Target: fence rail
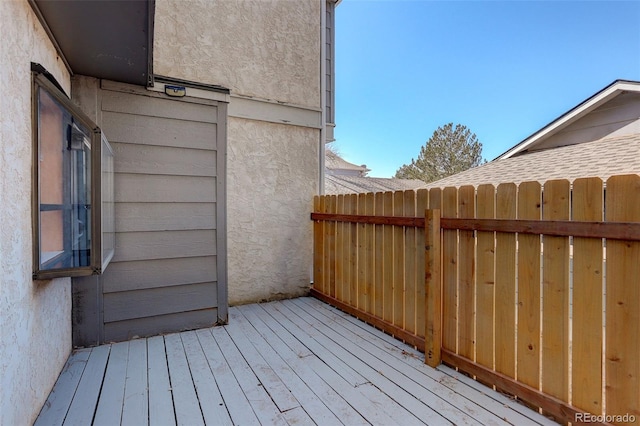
{"x": 514, "y": 284}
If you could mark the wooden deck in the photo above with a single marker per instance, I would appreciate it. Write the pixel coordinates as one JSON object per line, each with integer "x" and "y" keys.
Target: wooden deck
{"x": 291, "y": 362}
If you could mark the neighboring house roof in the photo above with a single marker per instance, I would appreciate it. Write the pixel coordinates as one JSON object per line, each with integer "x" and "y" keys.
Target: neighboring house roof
{"x": 336, "y": 165}
{"x": 541, "y": 138}
{"x": 598, "y": 138}
{"x": 601, "y": 158}
{"x": 343, "y": 177}
{"x": 340, "y": 184}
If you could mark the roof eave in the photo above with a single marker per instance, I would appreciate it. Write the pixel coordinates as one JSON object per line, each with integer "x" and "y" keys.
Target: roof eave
{"x": 579, "y": 111}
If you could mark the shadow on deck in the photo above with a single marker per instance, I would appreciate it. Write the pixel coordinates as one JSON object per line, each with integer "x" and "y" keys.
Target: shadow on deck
{"x": 290, "y": 362}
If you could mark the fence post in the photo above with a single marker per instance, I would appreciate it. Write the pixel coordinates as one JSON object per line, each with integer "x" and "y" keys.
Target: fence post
{"x": 433, "y": 288}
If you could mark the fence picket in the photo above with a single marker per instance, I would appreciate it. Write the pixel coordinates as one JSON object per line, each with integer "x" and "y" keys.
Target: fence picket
{"x": 586, "y": 361}
{"x": 555, "y": 294}
{"x": 422, "y": 203}
{"x": 622, "y": 362}
{"x": 485, "y": 280}
{"x": 466, "y": 275}
{"x": 398, "y": 262}
{"x": 362, "y": 253}
{"x": 369, "y": 255}
{"x": 318, "y": 246}
{"x": 387, "y": 291}
{"x": 340, "y": 226}
{"x": 449, "y": 272}
{"x": 378, "y": 278}
{"x": 528, "y": 350}
{"x": 353, "y": 254}
{"x": 331, "y": 244}
{"x": 505, "y": 291}
{"x": 410, "y": 264}
{"x": 529, "y": 307}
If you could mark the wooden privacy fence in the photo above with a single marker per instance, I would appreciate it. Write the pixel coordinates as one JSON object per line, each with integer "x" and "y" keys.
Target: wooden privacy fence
{"x": 532, "y": 288}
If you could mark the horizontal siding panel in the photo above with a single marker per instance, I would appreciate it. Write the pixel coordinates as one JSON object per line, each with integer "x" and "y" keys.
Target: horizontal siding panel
{"x": 151, "y": 326}
{"x": 142, "y": 274}
{"x": 162, "y": 160}
{"x": 164, "y": 245}
{"x": 137, "y": 129}
{"x": 132, "y": 217}
{"x": 158, "y": 107}
{"x": 159, "y": 301}
{"x": 602, "y": 117}
{"x": 156, "y": 188}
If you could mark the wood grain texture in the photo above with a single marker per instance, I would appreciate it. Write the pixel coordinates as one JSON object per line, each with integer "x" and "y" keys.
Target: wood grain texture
{"x": 485, "y": 280}
{"x": 433, "y": 283}
{"x": 348, "y": 249}
{"x": 353, "y": 255}
{"x": 378, "y": 274}
{"x": 555, "y": 294}
{"x": 369, "y": 254}
{"x": 466, "y": 276}
{"x": 330, "y": 273}
{"x": 622, "y": 364}
{"x": 450, "y": 273}
{"x": 410, "y": 260}
{"x": 389, "y": 262}
{"x": 587, "y": 333}
{"x": 528, "y": 350}
{"x": 505, "y": 287}
{"x": 318, "y": 246}
{"x": 340, "y": 283}
{"x": 422, "y": 204}
{"x": 398, "y": 262}
{"x": 363, "y": 259}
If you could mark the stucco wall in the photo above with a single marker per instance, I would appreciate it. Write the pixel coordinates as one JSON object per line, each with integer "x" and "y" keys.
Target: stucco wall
{"x": 35, "y": 317}
{"x": 268, "y": 49}
{"x": 265, "y": 49}
{"x": 272, "y": 178}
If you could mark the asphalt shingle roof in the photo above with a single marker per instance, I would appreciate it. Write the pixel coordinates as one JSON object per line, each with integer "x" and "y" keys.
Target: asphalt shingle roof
{"x": 601, "y": 158}
{"x": 340, "y": 184}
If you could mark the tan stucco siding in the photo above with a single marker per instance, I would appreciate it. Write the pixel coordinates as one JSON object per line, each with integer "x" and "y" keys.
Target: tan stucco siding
{"x": 269, "y": 49}
{"x": 272, "y": 178}
{"x": 35, "y": 332}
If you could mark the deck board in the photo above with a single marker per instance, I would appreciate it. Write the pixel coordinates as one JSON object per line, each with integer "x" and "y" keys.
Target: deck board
{"x": 289, "y": 362}
{"x": 161, "y": 412}
{"x": 82, "y": 409}
{"x": 410, "y": 361}
{"x": 186, "y": 402}
{"x": 112, "y": 395}
{"x": 135, "y": 410}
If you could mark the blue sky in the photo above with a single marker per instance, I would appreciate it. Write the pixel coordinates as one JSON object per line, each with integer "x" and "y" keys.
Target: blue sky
{"x": 503, "y": 68}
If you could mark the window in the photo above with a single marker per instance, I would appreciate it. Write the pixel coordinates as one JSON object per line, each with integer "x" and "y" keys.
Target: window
{"x": 73, "y": 218}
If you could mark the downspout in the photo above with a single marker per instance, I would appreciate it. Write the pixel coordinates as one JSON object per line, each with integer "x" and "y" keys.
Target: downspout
{"x": 323, "y": 94}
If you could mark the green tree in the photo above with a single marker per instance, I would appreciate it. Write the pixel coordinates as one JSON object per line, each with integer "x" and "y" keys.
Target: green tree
{"x": 450, "y": 150}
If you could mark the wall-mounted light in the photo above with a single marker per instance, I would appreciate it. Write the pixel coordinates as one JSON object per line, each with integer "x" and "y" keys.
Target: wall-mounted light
{"x": 175, "y": 91}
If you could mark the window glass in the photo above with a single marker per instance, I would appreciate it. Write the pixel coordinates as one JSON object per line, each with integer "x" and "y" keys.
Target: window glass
{"x": 64, "y": 162}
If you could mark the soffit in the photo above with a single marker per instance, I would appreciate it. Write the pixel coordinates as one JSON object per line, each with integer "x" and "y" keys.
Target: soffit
{"x": 103, "y": 39}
